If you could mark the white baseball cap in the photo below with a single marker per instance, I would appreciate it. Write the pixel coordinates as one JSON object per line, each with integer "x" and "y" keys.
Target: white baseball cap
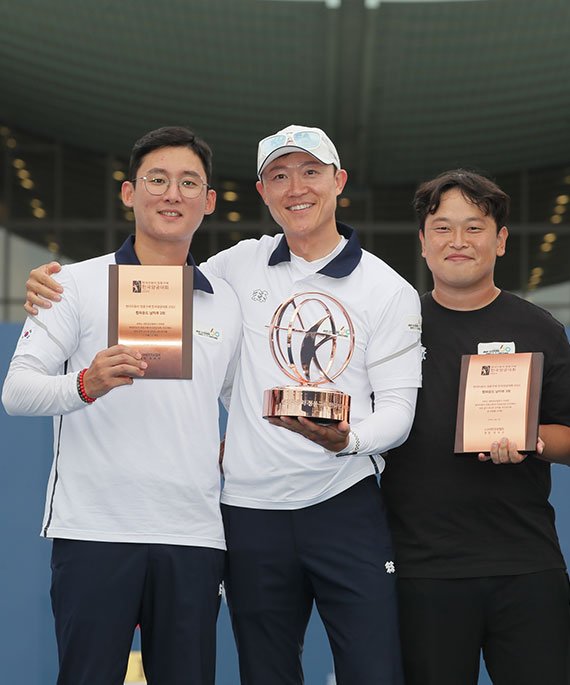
{"x": 294, "y": 138}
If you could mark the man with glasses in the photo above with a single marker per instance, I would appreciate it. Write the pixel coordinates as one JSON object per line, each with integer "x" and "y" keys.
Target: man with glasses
{"x": 133, "y": 496}
{"x": 303, "y": 514}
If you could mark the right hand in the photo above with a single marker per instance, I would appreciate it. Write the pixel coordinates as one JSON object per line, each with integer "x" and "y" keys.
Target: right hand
{"x": 41, "y": 288}
{"x": 333, "y": 437}
{"x": 118, "y": 365}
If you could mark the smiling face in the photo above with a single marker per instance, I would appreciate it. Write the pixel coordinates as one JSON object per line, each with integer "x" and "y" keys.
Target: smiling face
{"x": 301, "y": 194}
{"x": 460, "y": 244}
{"x": 169, "y": 218}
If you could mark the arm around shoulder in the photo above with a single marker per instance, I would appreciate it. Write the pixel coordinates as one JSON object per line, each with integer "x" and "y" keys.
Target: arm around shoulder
{"x": 41, "y": 288}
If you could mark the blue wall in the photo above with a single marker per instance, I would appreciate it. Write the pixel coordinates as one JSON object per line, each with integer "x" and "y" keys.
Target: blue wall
{"x": 27, "y": 644}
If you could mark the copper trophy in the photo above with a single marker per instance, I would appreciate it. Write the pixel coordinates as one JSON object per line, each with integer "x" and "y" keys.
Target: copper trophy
{"x": 311, "y": 354}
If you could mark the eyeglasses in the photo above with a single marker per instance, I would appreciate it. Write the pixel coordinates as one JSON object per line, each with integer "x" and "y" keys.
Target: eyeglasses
{"x": 308, "y": 140}
{"x": 158, "y": 184}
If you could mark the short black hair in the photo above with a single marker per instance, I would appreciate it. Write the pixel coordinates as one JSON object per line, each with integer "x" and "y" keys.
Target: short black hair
{"x": 170, "y": 136}
{"x": 479, "y": 189}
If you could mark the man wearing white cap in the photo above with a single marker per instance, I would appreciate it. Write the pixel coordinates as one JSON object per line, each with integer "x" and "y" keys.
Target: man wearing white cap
{"x": 304, "y": 524}
{"x": 303, "y": 514}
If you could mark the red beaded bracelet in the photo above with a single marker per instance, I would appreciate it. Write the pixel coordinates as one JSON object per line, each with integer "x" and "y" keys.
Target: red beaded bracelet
{"x": 81, "y": 388}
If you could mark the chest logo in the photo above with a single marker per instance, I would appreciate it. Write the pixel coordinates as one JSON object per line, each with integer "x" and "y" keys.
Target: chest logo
{"x": 259, "y": 295}
{"x": 496, "y": 347}
{"x": 211, "y": 333}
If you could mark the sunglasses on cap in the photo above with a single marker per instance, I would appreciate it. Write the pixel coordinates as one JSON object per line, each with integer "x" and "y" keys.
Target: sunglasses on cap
{"x": 307, "y": 140}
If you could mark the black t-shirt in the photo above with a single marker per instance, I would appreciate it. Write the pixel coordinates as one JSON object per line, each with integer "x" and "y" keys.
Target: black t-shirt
{"x": 451, "y": 515}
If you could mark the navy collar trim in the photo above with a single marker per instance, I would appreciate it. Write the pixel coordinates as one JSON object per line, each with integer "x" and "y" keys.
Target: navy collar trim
{"x": 126, "y": 255}
{"x": 342, "y": 265}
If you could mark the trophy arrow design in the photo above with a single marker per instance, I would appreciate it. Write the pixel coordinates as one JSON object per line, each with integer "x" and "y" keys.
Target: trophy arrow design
{"x": 310, "y": 355}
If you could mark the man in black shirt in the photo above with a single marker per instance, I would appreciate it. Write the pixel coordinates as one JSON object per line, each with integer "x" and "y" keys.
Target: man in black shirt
{"x": 478, "y": 558}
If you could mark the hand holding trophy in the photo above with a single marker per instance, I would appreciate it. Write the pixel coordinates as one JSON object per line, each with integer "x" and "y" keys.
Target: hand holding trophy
{"x": 311, "y": 354}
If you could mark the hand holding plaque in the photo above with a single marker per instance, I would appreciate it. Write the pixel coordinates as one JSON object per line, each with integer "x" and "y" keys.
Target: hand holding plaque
{"x": 311, "y": 337}
{"x": 499, "y": 396}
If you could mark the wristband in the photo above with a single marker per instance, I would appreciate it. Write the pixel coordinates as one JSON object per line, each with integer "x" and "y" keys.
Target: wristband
{"x": 81, "y": 388}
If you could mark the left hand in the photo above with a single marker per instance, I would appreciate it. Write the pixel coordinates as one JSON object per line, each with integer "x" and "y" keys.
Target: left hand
{"x": 333, "y": 437}
{"x": 505, "y": 452}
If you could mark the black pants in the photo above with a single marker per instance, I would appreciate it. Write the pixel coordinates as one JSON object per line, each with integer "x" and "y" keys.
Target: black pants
{"x": 338, "y": 554}
{"x": 101, "y": 590}
{"x": 521, "y": 624}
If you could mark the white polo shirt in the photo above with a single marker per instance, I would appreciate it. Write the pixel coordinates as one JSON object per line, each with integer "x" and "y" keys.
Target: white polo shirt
{"x": 141, "y": 463}
{"x": 269, "y": 467}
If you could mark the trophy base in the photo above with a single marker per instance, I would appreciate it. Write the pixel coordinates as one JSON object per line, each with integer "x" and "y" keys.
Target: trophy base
{"x": 311, "y": 402}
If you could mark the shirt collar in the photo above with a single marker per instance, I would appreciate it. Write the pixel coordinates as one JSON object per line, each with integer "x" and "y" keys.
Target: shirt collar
{"x": 126, "y": 255}
{"x": 342, "y": 265}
